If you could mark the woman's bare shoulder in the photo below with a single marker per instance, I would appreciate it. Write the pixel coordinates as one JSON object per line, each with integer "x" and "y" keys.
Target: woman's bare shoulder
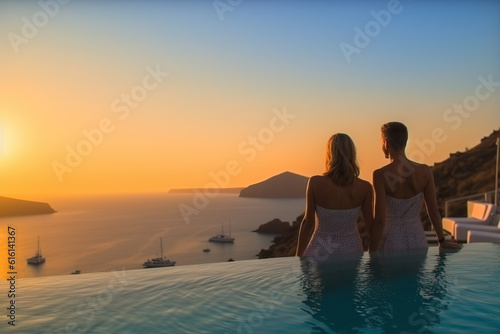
{"x": 362, "y": 182}
{"x": 363, "y": 185}
{"x": 421, "y": 168}
{"x": 317, "y": 180}
{"x": 419, "y": 165}
{"x": 378, "y": 173}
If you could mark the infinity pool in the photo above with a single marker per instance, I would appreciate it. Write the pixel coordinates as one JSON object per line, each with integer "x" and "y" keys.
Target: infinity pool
{"x": 407, "y": 293}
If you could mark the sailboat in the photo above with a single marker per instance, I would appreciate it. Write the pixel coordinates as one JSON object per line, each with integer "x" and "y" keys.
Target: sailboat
{"x": 38, "y": 258}
{"x": 222, "y": 237}
{"x": 159, "y": 261}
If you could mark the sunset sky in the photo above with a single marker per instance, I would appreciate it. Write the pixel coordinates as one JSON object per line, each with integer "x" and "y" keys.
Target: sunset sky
{"x": 145, "y": 96}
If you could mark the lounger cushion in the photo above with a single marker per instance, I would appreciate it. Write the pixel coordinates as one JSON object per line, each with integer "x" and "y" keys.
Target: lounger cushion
{"x": 481, "y": 236}
{"x": 461, "y": 230}
{"x": 478, "y": 211}
{"x": 449, "y": 223}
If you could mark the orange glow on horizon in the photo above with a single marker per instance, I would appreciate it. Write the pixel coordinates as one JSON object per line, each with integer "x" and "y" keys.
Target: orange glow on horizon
{"x": 99, "y": 108}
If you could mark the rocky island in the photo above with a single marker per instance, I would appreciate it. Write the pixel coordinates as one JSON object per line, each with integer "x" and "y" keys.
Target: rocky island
{"x": 284, "y": 185}
{"x": 10, "y": 207}
{"x": 275, "y": 226}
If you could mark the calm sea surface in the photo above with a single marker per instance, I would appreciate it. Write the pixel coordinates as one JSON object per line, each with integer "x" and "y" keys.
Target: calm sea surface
{"x": 95, "y": 234}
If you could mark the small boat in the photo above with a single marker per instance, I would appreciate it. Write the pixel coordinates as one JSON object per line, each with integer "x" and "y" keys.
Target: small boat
{"x": 76, "y": 272}
{"x": 206, "y": 250}
{"x": 222, "y": 237}
{"x": 38, "y": 258}
{"x": 159, "y": 261}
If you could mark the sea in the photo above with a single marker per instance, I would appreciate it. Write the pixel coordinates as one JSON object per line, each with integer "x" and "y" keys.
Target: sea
{"x": 120, "y": 232}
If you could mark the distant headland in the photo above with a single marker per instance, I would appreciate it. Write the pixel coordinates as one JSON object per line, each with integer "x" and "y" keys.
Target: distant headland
{"x": 11, "y": 207}
{"x": 284, "y": 185}
{"x": 210, "y": 190}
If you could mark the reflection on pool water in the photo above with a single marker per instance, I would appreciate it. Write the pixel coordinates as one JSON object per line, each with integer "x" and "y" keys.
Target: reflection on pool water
{"x": 406, "y": 293}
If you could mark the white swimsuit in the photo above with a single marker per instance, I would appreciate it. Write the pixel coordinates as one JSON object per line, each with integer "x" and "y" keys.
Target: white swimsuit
{"x": 403, "y": 227}
{"x": 336, "y": 232}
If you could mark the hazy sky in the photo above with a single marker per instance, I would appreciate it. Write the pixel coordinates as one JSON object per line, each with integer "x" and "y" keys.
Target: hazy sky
{"x": 139, "y": 96}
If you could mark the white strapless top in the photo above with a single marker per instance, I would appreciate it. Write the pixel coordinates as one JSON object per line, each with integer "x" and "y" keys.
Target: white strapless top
{"x": 335, "y": 232}
{"x": 403, "y": 227}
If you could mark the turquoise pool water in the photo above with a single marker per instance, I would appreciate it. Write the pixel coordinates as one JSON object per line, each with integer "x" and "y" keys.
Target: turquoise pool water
{"x": 405, "y": 293}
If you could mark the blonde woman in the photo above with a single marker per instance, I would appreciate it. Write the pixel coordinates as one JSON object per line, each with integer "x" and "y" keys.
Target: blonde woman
{"x": 334, "y": 201}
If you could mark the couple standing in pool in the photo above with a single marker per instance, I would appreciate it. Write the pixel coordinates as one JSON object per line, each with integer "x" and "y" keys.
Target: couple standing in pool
{"x": 335, "y": 200}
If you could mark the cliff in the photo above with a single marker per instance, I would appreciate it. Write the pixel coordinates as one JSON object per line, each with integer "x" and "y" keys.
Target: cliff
{"x": 10, "y": 207}
{"x": 275, "y": 226}
{"x": 466, "y": 173}
{"x": 284, "y": 185}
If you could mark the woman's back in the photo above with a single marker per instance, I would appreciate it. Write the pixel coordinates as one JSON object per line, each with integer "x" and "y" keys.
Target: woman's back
{"x": 400, "y": 188}
{"x": 404, "y": 178}
{"x": 337, "y": 210}
{"x": 404, "y": 209}
{"x": 335, "y": 232}
{"x": 403, "y": 228}
{"x": 334, "y": 202}
{"x": 404, "y": 182}
{"x": 331, "y": 196}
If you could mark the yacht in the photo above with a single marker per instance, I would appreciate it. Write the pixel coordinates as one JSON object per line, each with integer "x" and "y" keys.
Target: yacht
{"x": 222, "y": 237}
{"x": 38, "y": 258}
{"x": 159, "y": 261}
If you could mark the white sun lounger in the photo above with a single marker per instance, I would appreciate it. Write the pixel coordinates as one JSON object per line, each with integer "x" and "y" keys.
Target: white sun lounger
{"x": 482, "y": 236}
{"x": 462, "y": 229}
{"x": 481, "y": 214}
